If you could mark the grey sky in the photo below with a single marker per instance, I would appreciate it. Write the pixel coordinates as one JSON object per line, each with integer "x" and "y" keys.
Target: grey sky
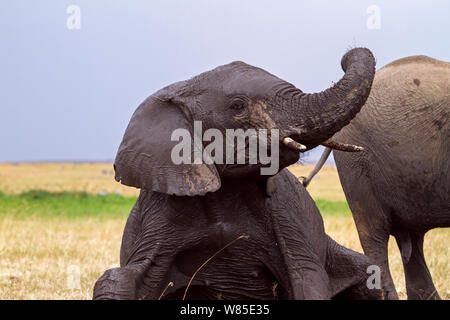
{"x": 69, "y": 94}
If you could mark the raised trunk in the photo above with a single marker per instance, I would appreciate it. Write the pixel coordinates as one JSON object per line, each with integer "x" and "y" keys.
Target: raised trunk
{"x": 325, "y": 113}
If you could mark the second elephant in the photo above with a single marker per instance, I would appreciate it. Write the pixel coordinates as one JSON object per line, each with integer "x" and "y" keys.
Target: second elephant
{"x": 400, "y": 184}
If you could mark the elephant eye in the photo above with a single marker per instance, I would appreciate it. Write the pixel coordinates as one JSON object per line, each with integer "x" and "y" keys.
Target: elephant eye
{"x": 238, "y": 104}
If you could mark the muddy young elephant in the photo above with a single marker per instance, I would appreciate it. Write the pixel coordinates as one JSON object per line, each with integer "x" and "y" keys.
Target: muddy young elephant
{"x": 224, "y": 231}
{"x": 400, "y": 184}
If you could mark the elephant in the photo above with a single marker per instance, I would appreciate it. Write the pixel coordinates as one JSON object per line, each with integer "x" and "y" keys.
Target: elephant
{"x": 399, "y": 185}
{"x": 209, "y": 230}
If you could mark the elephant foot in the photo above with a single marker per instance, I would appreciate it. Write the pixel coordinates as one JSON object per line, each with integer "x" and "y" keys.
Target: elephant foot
{"x": 348, "y": 275}
{"x": 358, "y": 291}
{"x": 115, "y": 284}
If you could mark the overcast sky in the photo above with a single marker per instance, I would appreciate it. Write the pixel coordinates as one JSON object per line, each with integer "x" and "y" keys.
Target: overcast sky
{"x": 68, "y": 94}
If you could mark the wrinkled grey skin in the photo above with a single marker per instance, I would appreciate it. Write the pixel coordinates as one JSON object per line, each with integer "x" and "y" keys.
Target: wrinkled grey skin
{"x": 400, "y": 184}
{"x": 187, "y": 213}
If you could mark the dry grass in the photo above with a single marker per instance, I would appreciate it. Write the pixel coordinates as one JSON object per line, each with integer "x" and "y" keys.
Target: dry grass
{"x": 325, "y": 185}
{"x": 436, "y": 249}
{"x": 99, "y": 177}
{"x": 57, "y": 177}
{"x": 38, "y": 255}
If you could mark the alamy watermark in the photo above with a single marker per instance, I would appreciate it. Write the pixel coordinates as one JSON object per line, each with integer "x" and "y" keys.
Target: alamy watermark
{"x": 251, "y": 146}
{"x": 73, "y": 277}
{"x": 73, "y": 21}
{"x": 374, "y": 20}
{"x": 374, "y": 280}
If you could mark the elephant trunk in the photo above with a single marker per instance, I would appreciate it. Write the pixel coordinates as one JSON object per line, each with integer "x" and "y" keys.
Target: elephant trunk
{"x": 325, "y": 113}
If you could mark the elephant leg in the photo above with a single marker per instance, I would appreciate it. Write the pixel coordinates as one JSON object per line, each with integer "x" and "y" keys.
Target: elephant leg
{"x": 373, "y": 225}
{"x": 376, "y": 248}
{"x": 131, "y": 234}
{"x": 419, "y": 284}
{"x": 144, "y": 278}
{"x": 347, "y": 270}
{"x": 149, "y": 246}
{"x": 117, "y": 284}
{"x": 146, "y": 257}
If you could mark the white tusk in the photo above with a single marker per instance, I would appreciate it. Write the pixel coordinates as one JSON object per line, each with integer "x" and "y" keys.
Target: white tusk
{"x": 294, "y": 145}
{"x": 342, "y": 146}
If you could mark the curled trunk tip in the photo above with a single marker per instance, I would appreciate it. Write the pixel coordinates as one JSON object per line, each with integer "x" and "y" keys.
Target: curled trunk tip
{"x": 325, "y": 113}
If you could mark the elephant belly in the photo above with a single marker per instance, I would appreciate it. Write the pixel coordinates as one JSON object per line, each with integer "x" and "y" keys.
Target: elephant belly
{"x": 233, "y": 274}
{"x": 413, "y": 190}
{"x": 416, "y": 197}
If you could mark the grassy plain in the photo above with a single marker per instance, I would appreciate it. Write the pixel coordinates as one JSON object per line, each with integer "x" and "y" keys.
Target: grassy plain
{"x": 61, "y": 225}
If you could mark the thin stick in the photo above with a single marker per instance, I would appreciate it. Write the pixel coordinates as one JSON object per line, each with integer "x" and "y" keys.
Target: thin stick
{"x": 169, "y": 285}
{"x": 209, "y": 259}
{"x": 318, "y": 166}
{"x": 431, "y": 295}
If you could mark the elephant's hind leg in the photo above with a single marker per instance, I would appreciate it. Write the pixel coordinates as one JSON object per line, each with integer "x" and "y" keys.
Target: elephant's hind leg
{"x": 372, "y": 221}
{"x": 419, "y": 284}
{"x": 375, "y": 246}
{"x": 347, "y": 270}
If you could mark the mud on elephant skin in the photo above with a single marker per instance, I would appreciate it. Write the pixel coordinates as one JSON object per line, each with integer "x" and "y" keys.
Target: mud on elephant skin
{"x": 219, "y": 231}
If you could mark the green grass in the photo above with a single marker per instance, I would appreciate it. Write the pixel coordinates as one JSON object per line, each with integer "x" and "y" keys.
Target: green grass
{"x": 333, "y": 208}
{"x": 46, "y": 204}
{"x": 37, "y": 203}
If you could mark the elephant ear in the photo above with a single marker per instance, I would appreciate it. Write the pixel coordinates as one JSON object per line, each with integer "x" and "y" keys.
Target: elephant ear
{"x": 144, "y": 156}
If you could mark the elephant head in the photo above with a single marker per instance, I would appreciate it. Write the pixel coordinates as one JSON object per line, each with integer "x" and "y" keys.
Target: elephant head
{"x": 235, "y": 96}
